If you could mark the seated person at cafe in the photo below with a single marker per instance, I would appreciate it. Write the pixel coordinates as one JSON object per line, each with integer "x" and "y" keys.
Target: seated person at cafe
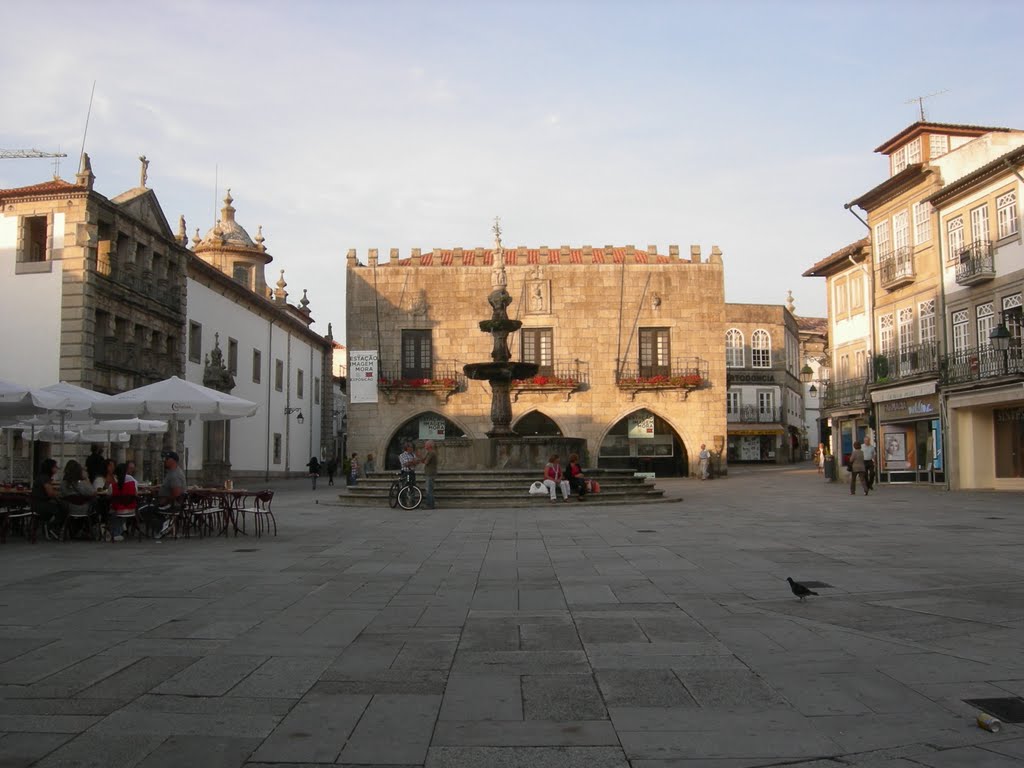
{"x": 76, "y": 492}
{"x": 102, "y": 481}
{"x": 44, "y": 499}
{"x": 122, "y": 500}
{"x": 169, "y": 498}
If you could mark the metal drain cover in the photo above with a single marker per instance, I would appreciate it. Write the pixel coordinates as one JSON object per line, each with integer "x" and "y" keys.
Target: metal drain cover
{"x": 1009, "y": 709}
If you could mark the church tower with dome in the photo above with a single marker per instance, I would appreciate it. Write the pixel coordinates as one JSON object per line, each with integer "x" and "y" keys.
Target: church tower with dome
{"x": 228, "y": 248}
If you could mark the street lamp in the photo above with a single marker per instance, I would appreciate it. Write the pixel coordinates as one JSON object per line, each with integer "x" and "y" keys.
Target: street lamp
{"x": 999, "y": 338}
{"x": 289, "y": 411}
{"x": 806, "y": 374}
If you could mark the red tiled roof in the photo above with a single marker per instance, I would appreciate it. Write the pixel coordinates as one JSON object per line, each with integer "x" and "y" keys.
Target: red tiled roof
{"x": 446, "y": 257}
{"x": 46, "y": 188}
{"x": 813, "y": 324}
{"x": 833, "y": 258}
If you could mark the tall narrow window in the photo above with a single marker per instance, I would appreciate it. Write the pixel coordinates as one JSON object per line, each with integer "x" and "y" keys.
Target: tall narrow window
{"x": 914, "y": 152}
{"x": 900, "y": 231}
{"x": 417, "y": 354}
{"x": 885, "y": 333}
{"x": 766, "y": 406}
{"x": 242, "y": 273}
{"x": 279, "y": 375}
{"x": 316, "y": 390}
{"x": 844, "y": 367}
{"x": 232, "y": 356}
{"x": 732, "y": 403}
{"x": 538, "y": 347}
{"x": 840, "y": 297}
{"x": 860, "y": 365}
{"x": 195, "y": 342}
{"x": 986, "y": 322}
{"x": 655, "y": 359}
{"x": 1006, "y": 214}
{"x": 955, "y": 238}
{"x": 961, "y": 335}
{"x": 761, "y": 349}
{"x": 33, "y": 239}
{"x": 257, "y": 366}
{"x": 883, "y": 245}
{"x": 898, "y": 160}
{"x": 979, "y": 224}
{"x": 922, "y": 223}
{"x": 300, "y": 384}
{"x": 856, "y": 284}
{"x": 277, "y": 447}
{"x": 734, "y": 348}
{"x": 905, "y": 323}
{"x": 926, "y": 321}
{"x": 939, "y": 145}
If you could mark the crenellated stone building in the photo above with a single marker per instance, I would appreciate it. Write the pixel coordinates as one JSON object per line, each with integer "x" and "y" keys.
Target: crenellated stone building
{"x": 628, "y": 343}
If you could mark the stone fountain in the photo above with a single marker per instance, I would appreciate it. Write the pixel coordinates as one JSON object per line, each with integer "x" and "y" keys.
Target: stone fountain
{"x": 505, "y": 448}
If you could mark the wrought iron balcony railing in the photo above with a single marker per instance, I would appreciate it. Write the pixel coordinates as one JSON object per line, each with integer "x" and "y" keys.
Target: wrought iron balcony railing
{"x": 978, "y": 364}
{"x": 977, "y": 263}
{"x": 442, "y": 377}
{"x": 561, "y": 377}
{"x": 683, "y": 374}
{"x": 848, "y": 393}
{"x": 897, "y": 268}
{"x": 907, "y": 363}
{"x": 755, "y": 414}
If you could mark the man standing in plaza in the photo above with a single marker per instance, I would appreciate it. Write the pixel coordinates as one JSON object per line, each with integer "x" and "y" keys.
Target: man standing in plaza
{"x": 429, "y": 462}
{"x": 705, "y": 461}
{"x": 868, "y": 449}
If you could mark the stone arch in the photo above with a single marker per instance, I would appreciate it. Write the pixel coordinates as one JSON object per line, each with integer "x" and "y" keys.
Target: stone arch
{"x": 409, "y": 430}
{"x": 664, "y": 453}
{"x": 533, "y": 423}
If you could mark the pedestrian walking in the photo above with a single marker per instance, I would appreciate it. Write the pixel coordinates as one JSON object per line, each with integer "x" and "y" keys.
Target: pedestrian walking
{"x": 332, "y": 469}
{"x": 856, "y": 468}
{"x": 704, "y": 458}
{"x": 869, "y": 462}
{"x": 819, "y": 458}
{"x": 314, "y": 469}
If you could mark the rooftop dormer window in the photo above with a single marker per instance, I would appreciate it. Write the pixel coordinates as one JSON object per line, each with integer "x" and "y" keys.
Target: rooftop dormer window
{"x": 908, "y": 154}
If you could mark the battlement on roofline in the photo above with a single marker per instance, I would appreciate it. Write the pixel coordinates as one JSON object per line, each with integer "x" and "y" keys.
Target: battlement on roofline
{"x": 523, "y": 256}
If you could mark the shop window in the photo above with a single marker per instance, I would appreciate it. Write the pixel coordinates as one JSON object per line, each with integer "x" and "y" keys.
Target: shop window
{"x": 1009, "y": 442}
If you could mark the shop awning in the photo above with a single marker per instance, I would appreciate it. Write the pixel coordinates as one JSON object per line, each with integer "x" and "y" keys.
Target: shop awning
{"x": 742, "y": 430}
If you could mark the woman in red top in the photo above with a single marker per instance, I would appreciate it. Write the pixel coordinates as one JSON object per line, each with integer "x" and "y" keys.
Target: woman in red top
{"x": 123, "y": 500}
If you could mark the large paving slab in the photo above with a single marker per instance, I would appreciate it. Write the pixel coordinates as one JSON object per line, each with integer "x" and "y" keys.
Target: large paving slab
{"x": 654, "y": 636}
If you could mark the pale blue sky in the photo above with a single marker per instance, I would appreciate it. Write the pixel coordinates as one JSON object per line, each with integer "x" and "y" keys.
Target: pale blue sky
{"x": 344, "y": 125}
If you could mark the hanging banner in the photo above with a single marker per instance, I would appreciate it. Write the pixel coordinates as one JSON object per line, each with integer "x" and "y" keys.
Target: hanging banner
{"x": 362, "y": 377}
{"x": 431, "y": 428}
{"x": 641, "y": 425}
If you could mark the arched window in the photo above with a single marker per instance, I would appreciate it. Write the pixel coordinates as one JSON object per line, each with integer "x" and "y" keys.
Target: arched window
{"x": 536, "y": 424}
{"x": 734, "y": 348}
{"x": 761, "y": 349}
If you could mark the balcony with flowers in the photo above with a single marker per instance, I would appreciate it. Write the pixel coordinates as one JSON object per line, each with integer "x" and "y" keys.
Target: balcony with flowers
{"x": 684, "y": 375}
{"x": 441, "y": 380}
{"x": 562, "y": 379}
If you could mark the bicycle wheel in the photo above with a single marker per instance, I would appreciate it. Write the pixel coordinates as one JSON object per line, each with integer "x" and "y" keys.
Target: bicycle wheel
{"x": 393, "y": 494}
{"x": 410, "y": 497}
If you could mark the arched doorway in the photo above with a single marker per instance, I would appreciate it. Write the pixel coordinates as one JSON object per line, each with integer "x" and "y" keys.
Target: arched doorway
{"x": 536, "y": 424}
{"x": 644, "y": 442}
{"x": 423, "y": 426}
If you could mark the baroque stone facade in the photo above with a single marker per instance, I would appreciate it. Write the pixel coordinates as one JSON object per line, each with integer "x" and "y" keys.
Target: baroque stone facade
{"x": 629, "y": 344}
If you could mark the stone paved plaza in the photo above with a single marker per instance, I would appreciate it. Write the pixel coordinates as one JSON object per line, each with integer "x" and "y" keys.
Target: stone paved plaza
{"x": 569, "y": 635}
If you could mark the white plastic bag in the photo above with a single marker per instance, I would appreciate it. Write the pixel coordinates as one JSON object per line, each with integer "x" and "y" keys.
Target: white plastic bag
{"x": 537, "y": 488}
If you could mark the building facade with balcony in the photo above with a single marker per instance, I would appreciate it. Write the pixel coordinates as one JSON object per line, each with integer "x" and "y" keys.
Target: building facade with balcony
{"x": 845, "y": 404}
{"x": 102, "y": 293}
{"x": 979, "y": 220}
{"x": 628, "y": 344}
{"x": 903, "y": 371}
{"x": 764, "y": 402}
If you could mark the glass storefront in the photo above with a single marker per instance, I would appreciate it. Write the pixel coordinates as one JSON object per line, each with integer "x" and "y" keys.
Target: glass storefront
{"x": 1009, "y": 441}
{"x": 644, "y": 442}
{"x": 910, "y": 450}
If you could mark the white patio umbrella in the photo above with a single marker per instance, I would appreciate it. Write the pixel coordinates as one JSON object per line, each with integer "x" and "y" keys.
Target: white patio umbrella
{"x": 176, "y": 399}
{"x": 77, "y": 402}
{"x": 17, "y": 401}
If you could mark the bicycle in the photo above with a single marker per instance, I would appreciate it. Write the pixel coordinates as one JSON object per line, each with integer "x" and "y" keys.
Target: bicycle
{"x": 404, "y": 492}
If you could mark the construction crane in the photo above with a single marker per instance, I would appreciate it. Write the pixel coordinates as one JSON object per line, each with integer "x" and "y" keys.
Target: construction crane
{"x": 22, "y": 154}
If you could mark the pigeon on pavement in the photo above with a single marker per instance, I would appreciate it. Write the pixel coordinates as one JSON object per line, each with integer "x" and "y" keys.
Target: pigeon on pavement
{"x": 799, "y": 589}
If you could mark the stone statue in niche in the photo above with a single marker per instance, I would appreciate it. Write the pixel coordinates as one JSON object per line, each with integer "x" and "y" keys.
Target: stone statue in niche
{"x": 537, "y": 294}
{"x": 420, "y": 306}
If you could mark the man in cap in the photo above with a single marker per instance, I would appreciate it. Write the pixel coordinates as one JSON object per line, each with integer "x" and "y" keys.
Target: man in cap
{"x": 170, "y": 497}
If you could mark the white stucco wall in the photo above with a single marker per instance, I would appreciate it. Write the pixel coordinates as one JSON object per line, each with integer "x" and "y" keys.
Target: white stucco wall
{"x": 252, "y": 439}
{"x": 976, "y": 153}
{"x": 29, "y": 313}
